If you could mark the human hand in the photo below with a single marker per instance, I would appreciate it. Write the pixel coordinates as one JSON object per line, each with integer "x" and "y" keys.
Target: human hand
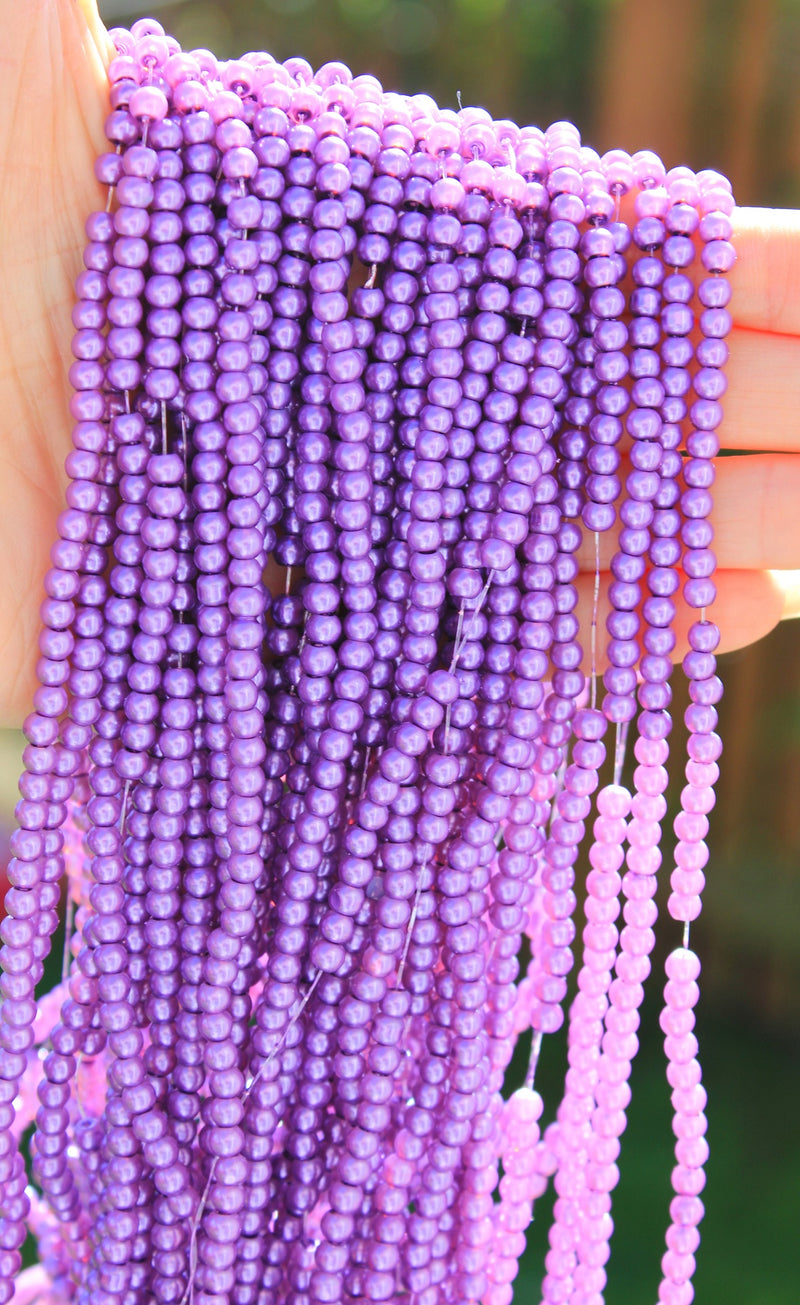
{"x": 51, "y": 128}
{"x": 52, "y": 69}
{"x": 756, "y": 512}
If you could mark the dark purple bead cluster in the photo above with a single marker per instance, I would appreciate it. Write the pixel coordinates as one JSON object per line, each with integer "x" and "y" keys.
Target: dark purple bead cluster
{"x": 318, "y": 733}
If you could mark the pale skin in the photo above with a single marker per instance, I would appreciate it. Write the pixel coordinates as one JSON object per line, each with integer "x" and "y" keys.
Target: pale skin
{"x": 52, "y": 59}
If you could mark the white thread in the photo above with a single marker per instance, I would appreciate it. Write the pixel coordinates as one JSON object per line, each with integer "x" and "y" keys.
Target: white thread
{"x": 595, "y": 607}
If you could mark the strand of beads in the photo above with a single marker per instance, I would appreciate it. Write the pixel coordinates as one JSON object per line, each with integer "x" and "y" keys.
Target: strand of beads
{"x": 379, "y": 349}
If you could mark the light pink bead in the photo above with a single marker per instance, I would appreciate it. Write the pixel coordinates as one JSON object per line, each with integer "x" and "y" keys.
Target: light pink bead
{"x": 691, "y": 856}
{"x": 632, "y": 969}
{"x": 588, "y": 1008}
{"x": 606, "y": 857}
{"x": 122, "y": 68}
{"x": 123, "y": 40}
{"x": 605, "y": 1151}
{"x": 591, "y": 162}
{"x": 692, "y": 1152}
{"x": 499, "y": 1293}
{"x": 701, "y": 774}
{"x": 651, "y": 752}
{"x": 515, "y": 1244}
{"x": 688, "y": 1181}
{"x": 583, "y": 1061}
{"x": 681, "y": 1048}
{"x": 619, "y": 171}
{"x": 614, "y": 1071}
{"x": 560, "y": 1264}
{"x": 697, "y": 799}
{"x": 648, "y": 170}
{"x": 648, "y": 807}
{"x": 478, "y": 141}
{"x": 478, "y": 175}
{"x": 620, "y": 1046}
{"x": 673, "y": 1293}
{"x": 643, "y": 833}
{"x": 682, "y": 1240}
{"x": 629, "y": 993}
{"x": 682, "y": 965}
{"x": 644, "y": 862}
{"x": 442, "y": 138}
{"x": 599, "y": 937}
{"x": 601, "y": 910}
{"x": 530, "y": 158}
{"x": 686, "y": 1211}
{"x": 599, "y": 205}
{"x": 524, "y": 1106}
{"x": 684, "y": 1076}
{"x": 513, "y": 1189}
{"x": 636, "y": 888}
{"x": 592, "y": 1296}
{"x": 614, "y": 801}
{"x": 448, "y": 193}
{"x": 569, "y": 1184}
{"x": 623, "y": 1021}
{"x": 367, "y": 114}
{"x": 594, "y": 982}
{"x": 684, "y": 907}
{"x": 562, "y": 133}
{"x": 225, "y": 104}
{"x": 600, "y": 1226}
{"x": 676, "y": 1022}
{"x": 307, "y": 103}
{"x": 708, "y": 179}
{"x": 564, "y": 156}
{"x": 603, "y": 1178}
{"x": 181, "y": 68}
{"x": 273, "y": 94}
{"x": 584, "y": 1032}
{"x": 146, "y": 27}
{"x": 716, "y": 201}
{"x": 613, "y": 1096}
{"x": 509, "y": 186}
{"x": 690, "y": 1126}
{"x": 567, "y": 181}
{"x": 602, "y": 886}
{"x": 637, "y": 942}
{"x": 151, "y": 51}
{"x": 690, "y": 827}
{"x": 651, "y": 780}
{"x": 232, "y": 132}
{"x": 641, "y": 914}
{"x": 609, "y": 830}
{"x": 331, "y": 123}
{"x": 566, "y": 1215}
{"x": 682, "y": 182}
{"x": 516, "y": 1218}
{"x": 548, "y": 1019}
{"x": 681, "y": 994}
{"x": 518, "y": 1163}
{"x": 340, "y": 99}
{"x": 148, "y": 102}
{"x": 689, "y": 1101}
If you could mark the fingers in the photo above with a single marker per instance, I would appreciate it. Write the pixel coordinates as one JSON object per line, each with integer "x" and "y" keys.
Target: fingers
{"x": 762, "y": 403}
{"x": 756, "y": 516}
{"x": 766, "y": 278}
{"x": 749, "y": 604}
{"x": 788, "y": 583}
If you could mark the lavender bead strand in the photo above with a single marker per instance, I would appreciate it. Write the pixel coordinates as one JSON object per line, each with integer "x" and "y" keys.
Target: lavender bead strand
{"x": 376, "y": 355}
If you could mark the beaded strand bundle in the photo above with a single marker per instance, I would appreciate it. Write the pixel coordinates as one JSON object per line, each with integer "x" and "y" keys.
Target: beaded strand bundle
{"x": 319, "y": 733}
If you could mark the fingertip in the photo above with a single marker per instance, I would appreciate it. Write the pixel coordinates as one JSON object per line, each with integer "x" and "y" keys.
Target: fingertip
{"x": 788, "y": 585}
